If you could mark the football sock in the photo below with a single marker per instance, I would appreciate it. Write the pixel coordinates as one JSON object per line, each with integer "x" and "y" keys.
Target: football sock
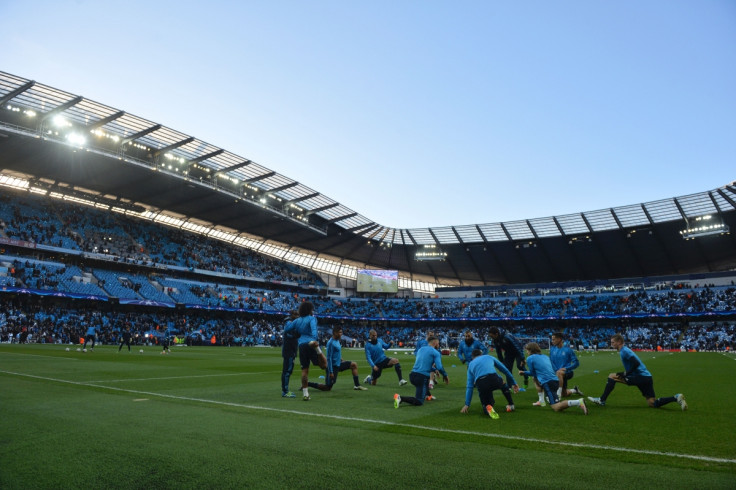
{"x": 355, "y": 381}
{"x": 507, "y": 394}
{"x": 411, "y": 400}
{"x": 664, "y": 401}
{"x": 610, "y": 385}
{"x": 312, "y": 385}
{"x": 398, "y": 371}
{"x": 305, "y": 391}
{"x": 541, "y": 396}
{"x": 573, "y": 403}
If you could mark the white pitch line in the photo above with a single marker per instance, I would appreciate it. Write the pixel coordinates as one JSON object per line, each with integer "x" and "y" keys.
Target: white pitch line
{"x": 177, "y": 377}
{"x": 40, "y": 355}
{"x": 395, "y": 424}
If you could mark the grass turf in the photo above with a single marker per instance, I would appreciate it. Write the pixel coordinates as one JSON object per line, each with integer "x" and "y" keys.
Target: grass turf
{"x": 213, "y": 417}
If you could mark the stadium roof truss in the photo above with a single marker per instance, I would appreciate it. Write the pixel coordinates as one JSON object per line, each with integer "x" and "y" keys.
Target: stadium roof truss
{"x": 199, "y": 180}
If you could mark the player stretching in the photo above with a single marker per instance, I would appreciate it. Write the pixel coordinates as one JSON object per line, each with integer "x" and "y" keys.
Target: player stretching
{"x": 564, "y": 362}
{"x": 636, "y": 374}
{"x": 508, "y": 350}
{"x": 335, "y": 364}
{"x": 377, "y": 359}
{"x": 421, "y": 343}
{"x": 465, "y": 348}
{"x": 428, "y": 358}
{"x": 309, "y": 351}
{"x": 482, "y": 375}
{"x": 539, "y": 366}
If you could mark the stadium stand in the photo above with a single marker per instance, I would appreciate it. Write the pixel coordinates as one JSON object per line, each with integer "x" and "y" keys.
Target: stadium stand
{"x": 76, "y": 251}
{"x": 66, "y": 225}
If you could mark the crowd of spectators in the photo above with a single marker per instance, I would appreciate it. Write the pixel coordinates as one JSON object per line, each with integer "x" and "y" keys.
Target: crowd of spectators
{"x": 166, "y": 288}
{"x": 25, "y": 319}
{"x": 75, "y": 227}
{"x": 140, "y": 244}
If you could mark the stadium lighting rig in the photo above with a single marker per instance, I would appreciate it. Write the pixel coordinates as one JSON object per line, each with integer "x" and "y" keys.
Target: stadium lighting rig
{"x": 430, "y": 253}
{"x": 430, "y": 256}
{"x": 702, "y": 226}
{"x": 60, "y": 129}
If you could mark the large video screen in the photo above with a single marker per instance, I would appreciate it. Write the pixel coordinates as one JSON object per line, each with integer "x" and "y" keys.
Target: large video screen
{"x": 377, "y": 281}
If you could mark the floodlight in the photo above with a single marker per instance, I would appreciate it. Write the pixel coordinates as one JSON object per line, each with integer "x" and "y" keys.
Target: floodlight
{"x": 60, "y": 121}
{"x": 430, "y": 256}
{"x": 76, "y": 139}
{"x": 701, "y": 226}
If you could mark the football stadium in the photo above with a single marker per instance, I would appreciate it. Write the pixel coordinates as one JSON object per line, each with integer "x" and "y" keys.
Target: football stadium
{"x": 175, "y": 315}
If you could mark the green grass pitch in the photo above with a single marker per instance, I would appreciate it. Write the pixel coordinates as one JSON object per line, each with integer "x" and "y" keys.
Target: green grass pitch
{"x": 213, "y": 417}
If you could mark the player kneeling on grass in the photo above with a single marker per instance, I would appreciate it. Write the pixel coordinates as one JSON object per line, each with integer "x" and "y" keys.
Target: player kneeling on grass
{"x": 564, "y": 362}
{"x": 636, "y": 375}
{"x": 540, "y": 367}
{"x": 378, "y": 361}
{"x": 421, "y": 343}
{"x": 428, "y": 358}
{"x": 335, "y": 364}
{"x": 482, "y": 375}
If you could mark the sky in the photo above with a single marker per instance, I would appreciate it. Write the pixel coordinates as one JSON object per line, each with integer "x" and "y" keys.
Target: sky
{"x": 417, "y": 113}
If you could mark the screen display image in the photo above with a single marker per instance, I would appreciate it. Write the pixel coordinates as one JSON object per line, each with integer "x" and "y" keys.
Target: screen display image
{"x": 378, "y": 281}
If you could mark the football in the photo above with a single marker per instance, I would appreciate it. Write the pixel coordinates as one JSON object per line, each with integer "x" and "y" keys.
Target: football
{"x": 67, "y": 349}
{"x": 141, "y": 351}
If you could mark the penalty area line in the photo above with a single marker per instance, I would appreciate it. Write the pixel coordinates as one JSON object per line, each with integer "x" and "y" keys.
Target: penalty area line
{"x": 696, "y": 457}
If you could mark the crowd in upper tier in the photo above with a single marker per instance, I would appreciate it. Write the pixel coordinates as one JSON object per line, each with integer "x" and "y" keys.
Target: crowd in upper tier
{"x": 76, "y": 227}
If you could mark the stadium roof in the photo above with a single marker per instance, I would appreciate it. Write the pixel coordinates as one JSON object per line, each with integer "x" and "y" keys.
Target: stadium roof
{"x": 56, "y": 140}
